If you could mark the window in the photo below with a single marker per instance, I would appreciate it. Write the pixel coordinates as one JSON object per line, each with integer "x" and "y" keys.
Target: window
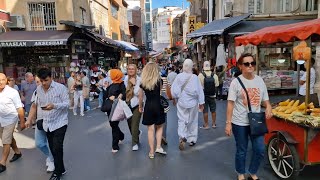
{"x": 148, "y": 8}
{"x": 312, "y": 5}
{"x": 285, "y": 6}
{"x": 114, "y": 10}
{"x": 147, "y": 17}
{"x": 114, "y": 36}
{"x": 42, "y": 16}
{"x": 83, "y": 15}
{"x": 255, "y": 6}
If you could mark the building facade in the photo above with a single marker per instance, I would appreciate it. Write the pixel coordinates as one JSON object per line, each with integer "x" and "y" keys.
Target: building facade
{"x": 100, "y": 16}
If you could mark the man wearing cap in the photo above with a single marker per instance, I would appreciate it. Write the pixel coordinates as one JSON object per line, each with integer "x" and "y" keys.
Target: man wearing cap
{"x": 209, "y": 81}
{"x": 11, "y": 110}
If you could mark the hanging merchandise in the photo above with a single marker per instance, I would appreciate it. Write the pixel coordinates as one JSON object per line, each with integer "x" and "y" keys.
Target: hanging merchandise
{"x": 221, "y": 56}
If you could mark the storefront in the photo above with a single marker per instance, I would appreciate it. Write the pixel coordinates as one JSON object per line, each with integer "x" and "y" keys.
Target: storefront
{"x": 27, "y": 51}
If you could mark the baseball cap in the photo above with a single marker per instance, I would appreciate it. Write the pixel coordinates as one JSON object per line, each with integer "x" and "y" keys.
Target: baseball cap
{"x": 206, "y": 66}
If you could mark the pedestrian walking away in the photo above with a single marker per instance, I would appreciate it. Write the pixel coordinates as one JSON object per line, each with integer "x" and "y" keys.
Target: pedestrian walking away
{"x": 209, "y": 81}
{"x": 188, "y": 92}
{"x": 52, "y": 104}
{"x": 86, "y": 90}
{"x": 40, "y": 136}
{"x": 132, "y": 83}
{"x": 237, "y": 116}
{"x": 27, "y": 89}
{"x": 11, "y": 110}
{"x": 153, "y": 112}
{"x": 116, "y": 90}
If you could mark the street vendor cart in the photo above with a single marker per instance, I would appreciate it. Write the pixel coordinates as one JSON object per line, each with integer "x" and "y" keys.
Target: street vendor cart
{"x": 293, "y": 140}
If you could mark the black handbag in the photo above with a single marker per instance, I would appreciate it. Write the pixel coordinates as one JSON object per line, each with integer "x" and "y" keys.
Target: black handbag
{"x": 40, "y": 124}
{"x": 164, "y": 102}
{"x": 107, "y": 103}
{"x": 257, "y": 121}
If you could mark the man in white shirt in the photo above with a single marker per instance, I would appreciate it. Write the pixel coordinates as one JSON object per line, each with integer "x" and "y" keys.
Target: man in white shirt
{"x": 11, "y": 110}
{"x": 303, "y": 80}
{"x": 52, "y": 107}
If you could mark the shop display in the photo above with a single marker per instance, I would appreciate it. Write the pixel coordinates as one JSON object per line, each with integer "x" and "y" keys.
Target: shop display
{"x": 277, "y": 79}
{"x": 293, "y": 111}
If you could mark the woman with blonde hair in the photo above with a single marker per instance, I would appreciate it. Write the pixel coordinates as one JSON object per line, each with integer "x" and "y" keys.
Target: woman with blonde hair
{"x": 187, "y": 90}
{"x": 153, "y": 112}
{"x": 132, "y": 83}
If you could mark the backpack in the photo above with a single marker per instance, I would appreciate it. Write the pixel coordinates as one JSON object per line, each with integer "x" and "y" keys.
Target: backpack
{"x": 209, "y": 85}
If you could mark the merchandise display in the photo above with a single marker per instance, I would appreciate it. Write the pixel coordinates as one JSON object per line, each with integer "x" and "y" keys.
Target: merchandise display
{"x": 293, "y": 111}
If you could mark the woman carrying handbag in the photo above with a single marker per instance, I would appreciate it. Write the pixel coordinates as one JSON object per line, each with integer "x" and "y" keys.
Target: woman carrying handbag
{"x": 116, "y": 90}
{"x": 239, "y": 112}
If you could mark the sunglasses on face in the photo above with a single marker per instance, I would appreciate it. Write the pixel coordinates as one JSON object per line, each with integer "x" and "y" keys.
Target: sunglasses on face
{"x": 247, "y": 64}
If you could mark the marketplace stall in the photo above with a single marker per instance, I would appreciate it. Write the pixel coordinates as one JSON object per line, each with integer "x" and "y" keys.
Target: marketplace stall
{"x": 293, "y": 141}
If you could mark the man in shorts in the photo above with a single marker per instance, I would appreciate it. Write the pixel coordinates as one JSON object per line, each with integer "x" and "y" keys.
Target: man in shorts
{"x": 11, "y": 109}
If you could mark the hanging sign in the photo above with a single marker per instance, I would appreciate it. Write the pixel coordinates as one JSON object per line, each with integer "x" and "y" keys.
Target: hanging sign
{"x": 302, "y": 50}
{"x": 192, "y": 23}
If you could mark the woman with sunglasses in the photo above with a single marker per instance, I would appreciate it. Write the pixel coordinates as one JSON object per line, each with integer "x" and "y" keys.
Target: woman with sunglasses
{"x": 237, "y": 116}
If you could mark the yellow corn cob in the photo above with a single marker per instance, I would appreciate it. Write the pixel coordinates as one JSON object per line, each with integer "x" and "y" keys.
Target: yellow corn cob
{"x": 302, "y": 106}
{"x": 291, "y": 110}
{"x": 283, "y": 103}
{"x": 296, "y": 103}
{"x": 284, "y": 108}
{"x": 277, "y": 108}
{"x": 291, "y": 103}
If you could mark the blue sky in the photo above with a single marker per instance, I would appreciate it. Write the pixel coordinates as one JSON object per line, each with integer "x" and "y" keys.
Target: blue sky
{"x": 161, "y": 3}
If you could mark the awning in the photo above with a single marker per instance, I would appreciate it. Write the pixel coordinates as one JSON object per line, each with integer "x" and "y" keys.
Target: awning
{"x": 34, "y": 38}
{"x": 158, "y": 48}
{"x": 104, "y": 39}
{"x": 281, "y": 33}
{"x": 4, "y": 16}
{"x": 217, "y": 27}
{"x": 128, "y": 46}
{"x": 76, "y": 24}
{"x": 248, "y": 26}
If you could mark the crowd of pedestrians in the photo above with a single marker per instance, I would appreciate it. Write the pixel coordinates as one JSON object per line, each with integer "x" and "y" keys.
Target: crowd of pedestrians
{"x": 46, "y": 103}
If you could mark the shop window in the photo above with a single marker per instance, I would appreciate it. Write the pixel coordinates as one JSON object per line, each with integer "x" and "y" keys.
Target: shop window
{"x": 312, "y": 5}
{"x": 114, "y": 10}
{"x": 42, "y": 16}
{"x": 255, "y": 6}
{"x": 115, "y": 36}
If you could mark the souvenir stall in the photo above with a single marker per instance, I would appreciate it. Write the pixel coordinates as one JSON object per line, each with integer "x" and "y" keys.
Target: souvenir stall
{"x": 293, "y": 141}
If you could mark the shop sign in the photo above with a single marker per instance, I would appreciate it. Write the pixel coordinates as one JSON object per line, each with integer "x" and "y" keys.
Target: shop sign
{"x": 302, "y": 50}
{"x": 192, "y": 23}
{"x": 31, "y": 43}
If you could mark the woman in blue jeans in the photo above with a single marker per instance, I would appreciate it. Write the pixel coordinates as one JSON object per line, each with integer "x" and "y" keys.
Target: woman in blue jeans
{"x": 40, "y": 135}
{"x": 237, "y": 116}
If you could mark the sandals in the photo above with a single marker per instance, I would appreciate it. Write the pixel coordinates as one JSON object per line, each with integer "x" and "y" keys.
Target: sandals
{"x": 204, "y": 128}
{"x": 151, "y": 156}
{"x": 161, "y": 151}
{"x": 214, "y": 126}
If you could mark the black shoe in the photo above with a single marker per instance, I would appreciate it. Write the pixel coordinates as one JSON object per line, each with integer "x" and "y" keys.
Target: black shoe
{"x": 15, "y": 157}
{"x": 2, "y": 168}
{"x": 55, "y": 176}
{"x": 164, "y": 141}
{"x": 192, "y": 143}
{"x": 250, "y": 178}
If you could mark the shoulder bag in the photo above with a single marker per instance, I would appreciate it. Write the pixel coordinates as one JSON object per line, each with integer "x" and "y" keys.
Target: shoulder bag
{"x": 257, "y": 121}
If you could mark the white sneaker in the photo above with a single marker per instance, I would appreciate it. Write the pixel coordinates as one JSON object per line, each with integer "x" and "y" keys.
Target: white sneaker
{"x": 81, "y": 114}
{"x": 50, "y": 167}
{"x": 75, "y": 114}
{"x": 135, "y": 147}
{"x": 161, "y": 151}
{"x": 47, "y": 161}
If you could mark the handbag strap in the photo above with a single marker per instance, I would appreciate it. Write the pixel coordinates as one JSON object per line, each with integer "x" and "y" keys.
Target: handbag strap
{"x": 185, "y": 84}
{"x": 245, "y": 90}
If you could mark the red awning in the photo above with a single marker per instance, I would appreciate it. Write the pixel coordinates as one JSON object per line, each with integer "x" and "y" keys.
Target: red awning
{"x": 281, "y": 33}
{"x": 4, "y": 16}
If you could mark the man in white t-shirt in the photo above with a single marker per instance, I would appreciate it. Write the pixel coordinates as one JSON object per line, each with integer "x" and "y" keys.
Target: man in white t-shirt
{"x": 303, "y": 79}
{"x": 11, "y": 110}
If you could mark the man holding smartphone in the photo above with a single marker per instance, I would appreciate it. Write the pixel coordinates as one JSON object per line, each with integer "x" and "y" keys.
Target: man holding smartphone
{"x": 53, "y": 106}
{"x": 11, "y": 110}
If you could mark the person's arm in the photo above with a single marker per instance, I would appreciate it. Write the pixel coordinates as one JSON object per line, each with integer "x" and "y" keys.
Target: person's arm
{"x": 141, "y": 100}
{"x": 228, "y": 129}
{"x": 201, "y": 78}
{"x": 268, "y": 109}
{"x": 21, "y": 117}
{"x": 122, "y": 94}
{"x": 31, "y": 115}
{"x": 216, "y": 80}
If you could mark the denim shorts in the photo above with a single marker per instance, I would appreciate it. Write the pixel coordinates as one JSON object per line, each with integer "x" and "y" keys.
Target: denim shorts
{"x": 210, "y": 102}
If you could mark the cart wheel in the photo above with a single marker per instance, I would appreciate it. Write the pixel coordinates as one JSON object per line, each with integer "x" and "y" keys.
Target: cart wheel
{"x": 283, "y": 158}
